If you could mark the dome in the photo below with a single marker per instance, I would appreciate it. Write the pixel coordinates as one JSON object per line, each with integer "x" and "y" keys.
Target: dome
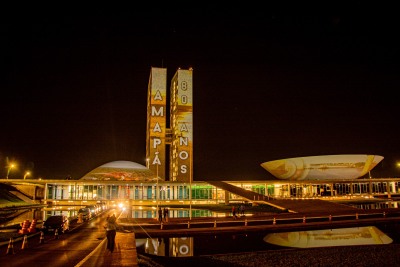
{"x": 328, "y": 167}
{"x": 121, "y": 171}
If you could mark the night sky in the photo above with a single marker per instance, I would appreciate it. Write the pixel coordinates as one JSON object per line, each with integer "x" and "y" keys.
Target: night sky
{"x": 268, "y": 84}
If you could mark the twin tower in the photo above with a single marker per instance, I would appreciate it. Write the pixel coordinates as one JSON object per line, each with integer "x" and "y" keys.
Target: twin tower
{"x": 169, "y": 135}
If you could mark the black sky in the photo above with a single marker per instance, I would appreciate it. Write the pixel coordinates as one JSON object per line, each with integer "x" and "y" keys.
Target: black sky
{"x": 268, "y": 84}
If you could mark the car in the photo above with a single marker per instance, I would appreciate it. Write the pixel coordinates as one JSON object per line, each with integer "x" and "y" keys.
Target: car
{"x": 93, "y": 209}
{"x": 56, "y": 222}
{"x": 102, "y": 206}
{"x": 86, "y": 214}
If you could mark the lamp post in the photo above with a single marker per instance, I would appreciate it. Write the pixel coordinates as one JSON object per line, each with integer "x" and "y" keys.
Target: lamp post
{"x": 190, "y": 180}
{"x": 398, "y": 164}
{"x": 10, "y": 166}
{"x": 157, "y": 187}
{"x": 26, "y": 174}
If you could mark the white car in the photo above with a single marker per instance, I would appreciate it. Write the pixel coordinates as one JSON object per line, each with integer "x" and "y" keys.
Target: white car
{"x": 86, "y": 214}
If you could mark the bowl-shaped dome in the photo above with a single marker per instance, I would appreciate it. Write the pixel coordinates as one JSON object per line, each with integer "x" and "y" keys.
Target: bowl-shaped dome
{"x": 329, "y": 167}
{"x": 355, "y": 236}
{"x": 121, "y": 171}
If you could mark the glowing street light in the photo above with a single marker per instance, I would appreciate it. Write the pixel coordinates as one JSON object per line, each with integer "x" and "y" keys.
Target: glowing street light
{"x": 10, "y": 166}
{"x": 157, "y": 186}
{"x": 398, "y": 164}
{"x": 190, "y": 177}
{"x": 26, "y": 174}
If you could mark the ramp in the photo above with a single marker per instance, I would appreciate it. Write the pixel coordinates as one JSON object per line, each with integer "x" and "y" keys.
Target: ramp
{"x": 22, "y": 197}
{"x": 249, "y": 195}
{"x": 292, "y": 205}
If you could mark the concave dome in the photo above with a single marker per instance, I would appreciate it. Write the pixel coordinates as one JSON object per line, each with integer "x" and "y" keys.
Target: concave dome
{"x": 121, "y": 171}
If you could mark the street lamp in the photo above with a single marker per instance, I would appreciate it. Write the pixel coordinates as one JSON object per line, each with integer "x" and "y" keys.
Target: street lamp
{"x": 398, "y": 164}
{"x": 10, "y": 166}
{"x": 26, "y": 174}
{"x": 157, "y": 187}
{"x": 190, "y": 177}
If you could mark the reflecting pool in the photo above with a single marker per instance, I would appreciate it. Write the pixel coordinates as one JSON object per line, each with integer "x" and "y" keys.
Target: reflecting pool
{"x": 260, "y": 241}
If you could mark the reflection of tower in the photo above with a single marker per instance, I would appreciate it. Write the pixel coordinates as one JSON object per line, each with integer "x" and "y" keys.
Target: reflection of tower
{"x": 181, "y": 247}
{"x": 155, "y": 246}
{"x": 180, "y": 134}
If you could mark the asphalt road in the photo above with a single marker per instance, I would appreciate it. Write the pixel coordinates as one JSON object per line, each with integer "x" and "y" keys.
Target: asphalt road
{"x": 66, "y": 249}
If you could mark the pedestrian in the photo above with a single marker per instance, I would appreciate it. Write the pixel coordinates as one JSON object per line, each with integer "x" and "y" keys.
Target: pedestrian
{"x": 165, "y": 214}
{"x": 111, "y": 230}
{"x": 234, "y": 212}
{"x": 241, "y": 210}
{"x": 160, "y": 215}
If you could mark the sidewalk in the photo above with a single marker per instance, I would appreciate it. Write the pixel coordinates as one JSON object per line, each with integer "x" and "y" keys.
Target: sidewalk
{"x": 124, "y": 254}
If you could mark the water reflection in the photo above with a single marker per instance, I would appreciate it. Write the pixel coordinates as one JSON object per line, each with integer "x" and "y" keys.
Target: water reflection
{"x": 170, "y": 247}
{"x": 377, "y": 205}
{"x": 369, "y": 235}
{"x": 19, "y": 216}
{"x": 240, "y": 243}
{"x": 203, "y": 245}
{"x": 151, "y": 212}
{"x": 41, "y": 214}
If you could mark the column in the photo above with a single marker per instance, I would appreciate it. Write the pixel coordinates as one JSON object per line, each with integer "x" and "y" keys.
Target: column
{"x": 351, "y": 190}
{"x": 370, "y": 188}
{"x": 388, "y": 189}
{"x": 226, "y": 197}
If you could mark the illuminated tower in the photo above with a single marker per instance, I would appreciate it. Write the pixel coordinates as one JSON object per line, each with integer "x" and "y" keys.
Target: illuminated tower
{"x": 179, "y": 136}
{"x": 181, "y": 122}
{"x": 156, "y": 121}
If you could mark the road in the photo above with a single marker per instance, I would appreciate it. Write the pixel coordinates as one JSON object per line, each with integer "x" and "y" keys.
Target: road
{"x": 66, "y": 249}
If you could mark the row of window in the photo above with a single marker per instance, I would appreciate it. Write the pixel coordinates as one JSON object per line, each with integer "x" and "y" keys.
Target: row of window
{"x": 207, "y": 192}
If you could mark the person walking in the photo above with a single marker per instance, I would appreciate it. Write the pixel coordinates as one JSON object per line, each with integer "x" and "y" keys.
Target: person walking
{"x": 241, "y": 209}
{"x": 111, "y": 230}
{"x": 160, "y": 215}
{"x": 234, "y": 212}
{"x": 165, "y": 214}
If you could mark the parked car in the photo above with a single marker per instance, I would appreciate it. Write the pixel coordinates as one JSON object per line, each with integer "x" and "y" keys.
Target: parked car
{"x": 86, "y": 214}
{"x": 102, "y": 206}
{"x": 93, "y": 209}
{"x": 56, "y": 222}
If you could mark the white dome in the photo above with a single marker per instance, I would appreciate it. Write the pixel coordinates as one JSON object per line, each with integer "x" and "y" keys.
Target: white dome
{"x": 123, "y": 164}
{"x": 121, "y": 171}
